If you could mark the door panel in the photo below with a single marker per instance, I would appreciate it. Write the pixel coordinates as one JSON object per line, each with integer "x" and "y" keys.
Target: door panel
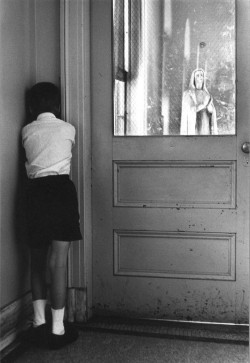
{"x": 174, "y": 254}
{"x": 194, "y": 184}
{"x": 170, "y": 213}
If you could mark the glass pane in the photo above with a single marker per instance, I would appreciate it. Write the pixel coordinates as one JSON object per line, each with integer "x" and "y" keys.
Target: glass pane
{"x": 174, "y": 67}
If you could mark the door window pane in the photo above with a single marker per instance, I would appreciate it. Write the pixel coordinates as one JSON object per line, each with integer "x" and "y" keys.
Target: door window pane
{"x": 174, "y": 67}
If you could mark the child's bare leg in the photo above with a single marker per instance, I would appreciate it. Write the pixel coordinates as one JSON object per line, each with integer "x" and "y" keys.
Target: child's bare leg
{"x": 58, "y": 268}
{"x": 38, "y": 284}
{"x": 38, "y": 273}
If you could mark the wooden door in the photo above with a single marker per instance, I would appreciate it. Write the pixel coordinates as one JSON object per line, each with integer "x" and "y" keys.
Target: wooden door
{"x": 170, "y": 213}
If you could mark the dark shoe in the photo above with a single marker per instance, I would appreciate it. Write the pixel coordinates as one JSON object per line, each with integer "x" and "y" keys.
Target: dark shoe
{"x": 60, "y": 341}
{"x": 36, "y": 336}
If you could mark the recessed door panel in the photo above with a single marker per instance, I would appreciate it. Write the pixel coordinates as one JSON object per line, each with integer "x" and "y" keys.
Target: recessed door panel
{"x": 174, "y": 184}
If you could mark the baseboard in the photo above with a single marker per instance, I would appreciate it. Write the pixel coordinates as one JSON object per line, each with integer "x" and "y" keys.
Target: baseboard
{"x": 167, "y": 329}
{"x": 14, "y": 319}
{"x": 76, "y": 309}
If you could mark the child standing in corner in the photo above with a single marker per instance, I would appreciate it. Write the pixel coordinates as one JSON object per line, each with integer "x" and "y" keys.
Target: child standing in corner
{"x": 52, "y": 210}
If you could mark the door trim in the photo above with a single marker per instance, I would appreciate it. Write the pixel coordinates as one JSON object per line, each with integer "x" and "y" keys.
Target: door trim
{"x": 75, "y": 86}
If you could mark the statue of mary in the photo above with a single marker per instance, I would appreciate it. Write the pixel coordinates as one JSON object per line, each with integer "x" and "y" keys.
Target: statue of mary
{"x": 198, "y": 116}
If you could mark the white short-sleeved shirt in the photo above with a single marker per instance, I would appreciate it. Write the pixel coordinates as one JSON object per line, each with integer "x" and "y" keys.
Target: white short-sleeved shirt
{"x": 48, "y": 143}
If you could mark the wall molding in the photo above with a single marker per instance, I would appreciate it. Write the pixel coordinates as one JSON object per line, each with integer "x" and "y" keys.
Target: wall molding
{"x": 75, "y": 85}
{"x": 14, "y": 318}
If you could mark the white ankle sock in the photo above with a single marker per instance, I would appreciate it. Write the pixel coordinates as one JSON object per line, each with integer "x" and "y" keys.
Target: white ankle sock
{"x": 57, "y": 321}
{"x": 39, "y": 312}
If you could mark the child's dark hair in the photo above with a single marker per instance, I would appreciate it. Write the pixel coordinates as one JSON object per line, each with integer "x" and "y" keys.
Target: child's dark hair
{"x": 44, "y": 97}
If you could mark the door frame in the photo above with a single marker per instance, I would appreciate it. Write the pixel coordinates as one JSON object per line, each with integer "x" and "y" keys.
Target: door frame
{"x": 75, "y": 90}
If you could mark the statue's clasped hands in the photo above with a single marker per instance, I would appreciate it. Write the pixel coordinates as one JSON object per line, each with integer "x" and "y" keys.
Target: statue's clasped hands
{"x": 207, "y": 104}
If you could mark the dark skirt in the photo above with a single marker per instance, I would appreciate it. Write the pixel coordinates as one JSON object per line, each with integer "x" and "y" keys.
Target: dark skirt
{"x": 52, "y": 211}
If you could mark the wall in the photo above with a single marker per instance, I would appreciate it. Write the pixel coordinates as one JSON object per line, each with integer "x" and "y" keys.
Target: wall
{"x": 29, "y": 40}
